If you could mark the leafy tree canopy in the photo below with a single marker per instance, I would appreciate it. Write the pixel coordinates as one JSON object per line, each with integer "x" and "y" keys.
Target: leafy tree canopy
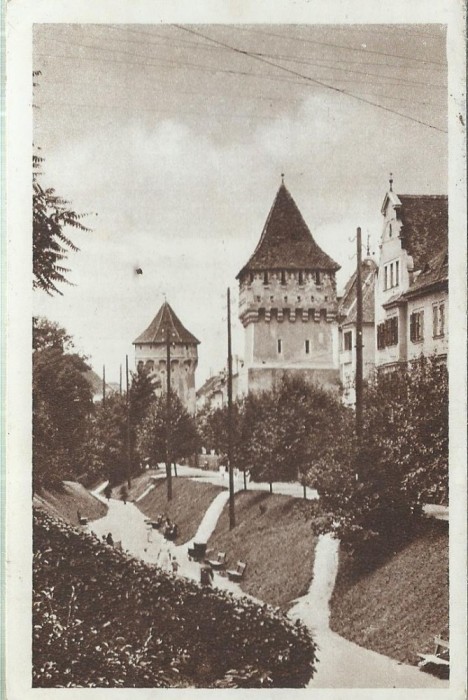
{"x": 52, "y": 216}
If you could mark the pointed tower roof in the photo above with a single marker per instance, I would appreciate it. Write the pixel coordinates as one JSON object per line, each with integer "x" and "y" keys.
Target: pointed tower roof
{"x": 165, "y": 320}
{"x": 286, "y": 242}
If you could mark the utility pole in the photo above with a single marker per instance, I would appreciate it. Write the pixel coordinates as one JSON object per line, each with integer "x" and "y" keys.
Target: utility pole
{"x": 127, "y": 401}
{"x": 103, "y": 385}
{"x": 232, "y": 515}
{"x": 168, "y": 416}
{"x": 120, "y": 381}
{"x": 359, "y": 377}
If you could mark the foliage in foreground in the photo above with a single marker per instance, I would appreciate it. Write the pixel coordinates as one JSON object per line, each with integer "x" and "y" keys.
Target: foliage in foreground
{"x": 52, "y": 216}
{"x": 103, "y": 619}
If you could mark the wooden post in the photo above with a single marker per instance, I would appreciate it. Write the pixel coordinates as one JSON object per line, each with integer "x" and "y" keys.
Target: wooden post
{"x": 232, "y": 515}
{"x": 127, "y": 401}
{"x": 359, "y": 373}
{"x": 168, "y": 416}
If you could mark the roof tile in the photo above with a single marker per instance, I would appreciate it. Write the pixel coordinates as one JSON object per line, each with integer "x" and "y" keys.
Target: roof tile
{"x": 164, "y": 321}
{"x": 286, "y": 241}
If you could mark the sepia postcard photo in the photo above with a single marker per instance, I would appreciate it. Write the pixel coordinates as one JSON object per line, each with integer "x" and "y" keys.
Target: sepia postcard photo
{"x": 236, "y": 314}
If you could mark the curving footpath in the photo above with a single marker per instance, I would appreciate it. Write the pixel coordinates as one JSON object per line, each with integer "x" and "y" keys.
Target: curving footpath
{"x": 341, "y": 664}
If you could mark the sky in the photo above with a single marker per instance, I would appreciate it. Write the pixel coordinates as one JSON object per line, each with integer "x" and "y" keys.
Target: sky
{"x": 172, "y": 139}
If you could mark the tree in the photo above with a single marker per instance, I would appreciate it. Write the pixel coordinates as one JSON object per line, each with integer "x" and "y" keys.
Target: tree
{"x": 62, "y": 402}
{"x": 375, "y": 490}
{"x": 141, "y": 396}
{"x": 151, "y": 436}
{"x": 51, "y": 245}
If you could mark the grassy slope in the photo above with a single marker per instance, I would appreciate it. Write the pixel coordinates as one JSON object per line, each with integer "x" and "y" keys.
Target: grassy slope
{"x": 190, "y": 500}
{"x": 65, "y": 503}
{"x": 277, "y": 545}
{"x": 138, "y": 485}
{"x": 398, "y": 608}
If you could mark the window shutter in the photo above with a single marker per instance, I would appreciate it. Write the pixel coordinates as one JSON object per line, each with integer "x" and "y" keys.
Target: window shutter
{"x": 412, "y": 327}
{"x": 434, "y": 320}
{"x": 442, "y": 319}
{"x": 421, "y": 325}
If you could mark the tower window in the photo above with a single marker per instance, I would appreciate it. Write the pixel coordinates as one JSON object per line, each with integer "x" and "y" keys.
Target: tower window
{"x": 301, "y": 277}
{"x": 326, "y": 298}
{"x": 307, "y": 346}
{"x": 258, "y": 299}
{"x": 283, "y": 276}
{"x": 280, "y": 346}
{"x": 286, "y": 299}
{"x": 312, "y": 298}
{"x": 318, "y": 278}
{"x": 265, "y": 277}
{"x": 298, "y": 298}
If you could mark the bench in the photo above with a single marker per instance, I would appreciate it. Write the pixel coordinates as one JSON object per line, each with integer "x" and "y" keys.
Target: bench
{"x": 237, "y": 573}
{"x": 439, "y": 661}
{"x": 198, "y": 551}
{"x": 219, "y": 562}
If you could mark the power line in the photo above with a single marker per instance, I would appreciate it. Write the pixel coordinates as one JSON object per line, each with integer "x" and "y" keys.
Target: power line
{"x": 337, "y": 46}
{"x": 313, "y": 80}
{"x": 311, "y": 63}
{"x": 265, "y": 98}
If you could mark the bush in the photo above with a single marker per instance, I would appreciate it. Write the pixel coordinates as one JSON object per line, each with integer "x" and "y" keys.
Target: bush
{"x": 102, "y": 619}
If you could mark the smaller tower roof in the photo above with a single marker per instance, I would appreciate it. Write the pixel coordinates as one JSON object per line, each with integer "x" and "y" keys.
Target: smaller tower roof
{"x": 164, "y": 321}
{"x": 286, "y": 241}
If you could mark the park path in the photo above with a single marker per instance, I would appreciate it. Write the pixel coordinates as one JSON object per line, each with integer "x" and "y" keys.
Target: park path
{"x": 341, "y": 663}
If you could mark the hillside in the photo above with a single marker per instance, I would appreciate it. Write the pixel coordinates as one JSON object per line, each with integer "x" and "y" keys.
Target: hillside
{"x": 398, "y": 608}
{"x": 190, "y": 500}
{"x": 276, "y": 541}
{"x": 65, "y": 502}
{"x": 103, "y": 619}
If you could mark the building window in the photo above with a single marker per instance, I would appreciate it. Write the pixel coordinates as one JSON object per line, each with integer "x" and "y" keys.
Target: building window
{"x": 265, "y": 277}
{"x": 283, "y": 276}
{"x": 438, "y": 320}
{"x": 307, "y": 346}
{"x": 318, "y": 278}
{"x": 381, "y": 336}
{"x": 286, "y": 299}
{"x": 251, "y": 277}
{"x": 301, "y": 277}
{"x": 347, "y": 340}
{"x": 392, "y": 275}
{"x": 280, "y": 346}
{"x": 391, "y": 331}
{"x": 417, "y": 326}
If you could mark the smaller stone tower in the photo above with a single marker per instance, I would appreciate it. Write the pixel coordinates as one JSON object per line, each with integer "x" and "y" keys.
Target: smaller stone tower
{"x": 151, "y": 353}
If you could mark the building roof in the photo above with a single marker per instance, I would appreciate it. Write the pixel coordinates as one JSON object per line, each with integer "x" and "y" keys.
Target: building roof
{"x": 164, "y": 321}
{"x": 347, "y": 307}
{"x": 424, "y": 226}
{"x": 433, "y": 274}
{"x": 286, "y": 241}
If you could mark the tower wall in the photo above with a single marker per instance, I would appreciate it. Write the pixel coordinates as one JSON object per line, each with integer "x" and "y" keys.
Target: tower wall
{"x": 290, "y": 325}
{"x": 184, "y": 361}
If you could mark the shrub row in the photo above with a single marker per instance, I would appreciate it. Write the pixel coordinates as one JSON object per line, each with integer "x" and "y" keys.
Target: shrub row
{"x": 103, "y": 619}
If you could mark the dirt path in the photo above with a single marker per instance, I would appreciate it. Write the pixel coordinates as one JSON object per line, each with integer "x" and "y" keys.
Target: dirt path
{"x": 342, "y": 664}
